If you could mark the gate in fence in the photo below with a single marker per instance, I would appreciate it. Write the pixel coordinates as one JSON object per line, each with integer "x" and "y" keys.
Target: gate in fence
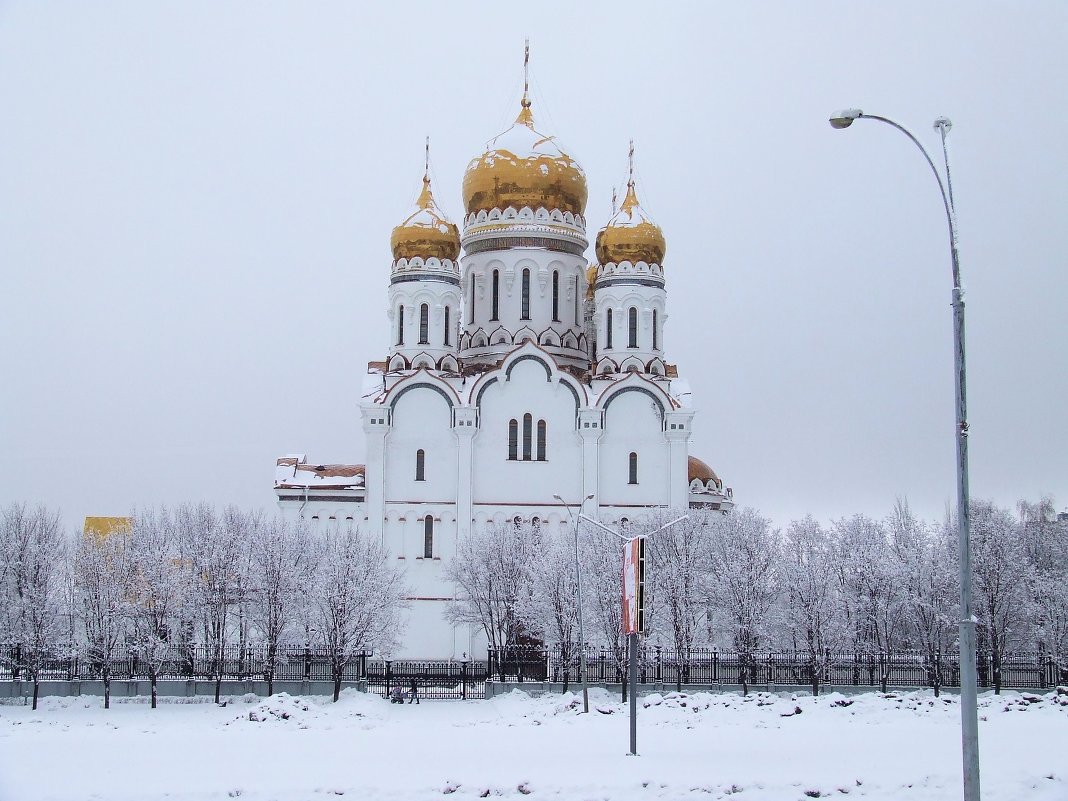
{"x": 447, "y": 679}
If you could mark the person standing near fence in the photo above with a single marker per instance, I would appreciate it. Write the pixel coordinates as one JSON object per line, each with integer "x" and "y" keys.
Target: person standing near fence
{"x": 413, "y": 692}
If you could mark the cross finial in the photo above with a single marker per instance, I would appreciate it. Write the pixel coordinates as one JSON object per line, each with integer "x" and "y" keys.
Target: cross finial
{"x": 426, "y": 162}
{"x": 526, "y": 73}
{"x": 613, "y": 200}
{"x": 630, "y": 166}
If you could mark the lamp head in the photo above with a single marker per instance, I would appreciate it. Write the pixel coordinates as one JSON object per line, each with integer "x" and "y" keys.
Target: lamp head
{"x": 843, "y": 119}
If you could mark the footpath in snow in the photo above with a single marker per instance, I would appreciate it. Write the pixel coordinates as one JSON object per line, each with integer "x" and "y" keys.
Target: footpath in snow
{"x": 702, "y": 746}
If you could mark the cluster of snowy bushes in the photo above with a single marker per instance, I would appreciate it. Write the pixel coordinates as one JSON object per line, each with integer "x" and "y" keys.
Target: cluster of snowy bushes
{"x": 858, "y": 585}
{"x": 191, "y": 575}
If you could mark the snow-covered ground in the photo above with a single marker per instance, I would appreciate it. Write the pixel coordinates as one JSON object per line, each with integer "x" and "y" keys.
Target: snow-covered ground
{"x": 900, "y": 746}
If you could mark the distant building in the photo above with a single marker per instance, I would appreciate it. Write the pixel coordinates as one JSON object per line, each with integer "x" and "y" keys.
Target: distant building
{"x": 513, "y": 374}
{"x": 100, "y": 528}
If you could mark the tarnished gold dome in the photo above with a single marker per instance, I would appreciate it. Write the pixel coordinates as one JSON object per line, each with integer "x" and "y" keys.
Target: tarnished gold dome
{"x": 523, "y": 168}
{"x": 591, "y": 279}
{"x": 630, "y": 235}
{"x": 427, "y": 233}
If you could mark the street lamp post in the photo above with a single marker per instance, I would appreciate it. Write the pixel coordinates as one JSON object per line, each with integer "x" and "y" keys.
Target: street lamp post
{"x": 578, "y": 602}
{"x": 968, "y": 684}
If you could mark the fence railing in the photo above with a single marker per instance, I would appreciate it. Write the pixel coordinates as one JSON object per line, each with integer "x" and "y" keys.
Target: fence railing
{"x": 712, "y": 667}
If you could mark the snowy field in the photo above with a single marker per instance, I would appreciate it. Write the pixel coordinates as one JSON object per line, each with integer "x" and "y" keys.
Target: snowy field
{"x": 903, "y": 746}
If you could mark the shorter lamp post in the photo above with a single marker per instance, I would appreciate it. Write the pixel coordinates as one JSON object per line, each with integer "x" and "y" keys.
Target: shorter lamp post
{"x": 578, "y": 602}
{"x": 632, "y": 638}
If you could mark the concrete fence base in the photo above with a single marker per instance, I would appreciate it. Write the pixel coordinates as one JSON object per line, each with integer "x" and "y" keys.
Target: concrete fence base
{"x": 187, "y": 688}
{"x": 545, "y": 687}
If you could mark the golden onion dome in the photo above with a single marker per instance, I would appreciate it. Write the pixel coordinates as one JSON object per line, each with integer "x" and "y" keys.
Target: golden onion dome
{"x": 427, "y": 233}
{"x": 696, "y": 469}
{"x": 523, "y": 168}
{"x": 631, "y": 235}
{"x": 591, "y": 279}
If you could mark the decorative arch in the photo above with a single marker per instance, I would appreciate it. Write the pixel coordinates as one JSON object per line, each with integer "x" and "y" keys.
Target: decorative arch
{"x": 449, "y": 364}
{"x": 637, "y": 384}
{"x": 397, "y": 362}
{"x": 417, "y": 380}
{"x": 632, "y": 365}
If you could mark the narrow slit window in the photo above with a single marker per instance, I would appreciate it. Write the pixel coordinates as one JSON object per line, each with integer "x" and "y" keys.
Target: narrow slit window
{"x": 420, "y": 465}
{"x": 424, "y": 324}
{"x": 632, "y": 326}
{"x": 541, "y": 440}
{"x": 633, "y": 469}
{"x": 608, "y": 330}
{"x": 526, "y": 295}
{"x": 576, "y": 300}
{"x": 656, "y": 338}
{"x": 428, "y": 537}
{"x": 528, "y": 432}
{"x": 471, "y": 305}
{"x": 513, "y": 440}
{"x": 448, "y": 323}
{"x": 496, "y": 294}
{"x": 556, "y": 296}
{"x": 400, "y": 324}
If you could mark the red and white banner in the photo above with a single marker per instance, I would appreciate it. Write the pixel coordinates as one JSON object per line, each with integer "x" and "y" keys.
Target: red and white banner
{"x": 631, "y": 588}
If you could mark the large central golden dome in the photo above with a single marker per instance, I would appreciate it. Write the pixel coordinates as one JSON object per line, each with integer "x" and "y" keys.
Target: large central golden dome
{"x": 523, "y": 168}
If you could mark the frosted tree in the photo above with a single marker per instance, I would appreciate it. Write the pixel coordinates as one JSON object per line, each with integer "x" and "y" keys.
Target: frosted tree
{"x": 33, "y": 551}
{"x": 926, "y": 570}
{"x": 102, "y": 566}
{"x": 160, "y": 591}
{"x": 281, "y": 569}
{"x": 743, "y": 552}
{"x": 491, "y": 571}
{"x": 677, "y": 578}
{"x": 1045, "y": 539}
{"x": 810, "y": 609}
{"x": 870, "y": 588}
{"x": 359, "y": 594}
{"x": 549, "y": 608}
{"x": 602, "y": 587}
{"x": 1003, "y": 579}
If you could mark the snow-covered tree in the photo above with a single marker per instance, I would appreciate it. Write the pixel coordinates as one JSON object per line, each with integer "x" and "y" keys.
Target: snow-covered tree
{"x": 491, "y": 571}
{"x": 677, "y": 578}
{"x": 281, "y": 568}
{"x": 359, "y": 594}
{"x": 33, "y": 552}
{"x": 550, "y": 610}
{"x": 102, "y": 564}
{"x": 810, "y": 608}
{"x": 1045, "y": 539}
{"x": 926, "y": 570}
{"x": 1003, "y": 579}
{"x": 160, "y": 591}
{"x": 602, "y": 587}
{"x": 743, "y": 552}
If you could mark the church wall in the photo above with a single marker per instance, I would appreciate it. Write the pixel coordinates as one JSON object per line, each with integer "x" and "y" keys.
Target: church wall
{"x": 633, "y": 424}
{"x": 495, "y": 478}
{"x": 422, "y": 420}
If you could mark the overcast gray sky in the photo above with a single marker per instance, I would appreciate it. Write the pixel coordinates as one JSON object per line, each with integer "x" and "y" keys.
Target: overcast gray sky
{"x": 196, "y": 201}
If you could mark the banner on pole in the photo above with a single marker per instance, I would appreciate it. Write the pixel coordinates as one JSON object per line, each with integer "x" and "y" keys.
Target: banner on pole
{"x": 634, "y": 586}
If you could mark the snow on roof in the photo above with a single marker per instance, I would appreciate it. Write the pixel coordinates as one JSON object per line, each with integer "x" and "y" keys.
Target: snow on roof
{"x": 293, "y": 471}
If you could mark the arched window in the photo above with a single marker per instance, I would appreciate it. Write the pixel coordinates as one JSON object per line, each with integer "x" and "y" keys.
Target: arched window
{"x": 632, "y": 325}
{"x": 526, "y": 295}
{"x": 633, "y": 469}
{"x": 420, "y": 465}
{"x": 428, "y": 537}
{"x": 513, "y": 440}
{"x": 528, "y": 426}
{"x": 496, "y": 294}
{"x": 556, "y": 296}
{"x": 424, "y": 324}
{"x": 471, "y": 305}
{"x": 541, "y": 440}
{"x": 608, "y": 330}
{"x": 400, "y": 324}
{"x": 656, "y": 339}
{"x": 448, "y": 321}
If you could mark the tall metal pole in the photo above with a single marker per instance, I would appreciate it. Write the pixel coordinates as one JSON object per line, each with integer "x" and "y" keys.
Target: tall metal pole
{"x": 968, "y": 681}
{"x": 632, "y": 647}
{"x": 578, "y": 602}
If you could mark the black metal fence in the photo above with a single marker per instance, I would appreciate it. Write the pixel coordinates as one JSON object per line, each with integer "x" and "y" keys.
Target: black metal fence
{"x": 712, "y": 667}
{"x": 457, "y": 679}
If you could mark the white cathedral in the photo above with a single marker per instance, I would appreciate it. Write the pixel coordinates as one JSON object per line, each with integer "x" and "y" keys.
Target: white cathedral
{"x": 520, "y": 380}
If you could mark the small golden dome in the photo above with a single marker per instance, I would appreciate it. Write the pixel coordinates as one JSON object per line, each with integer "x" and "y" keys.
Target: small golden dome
{"x": 591, "y": 279}
{"x": 630, "y": 235}
{"x": 523, "y": 168}
{"x": 696, "y": 469}
{"x": 427, "y": 233}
